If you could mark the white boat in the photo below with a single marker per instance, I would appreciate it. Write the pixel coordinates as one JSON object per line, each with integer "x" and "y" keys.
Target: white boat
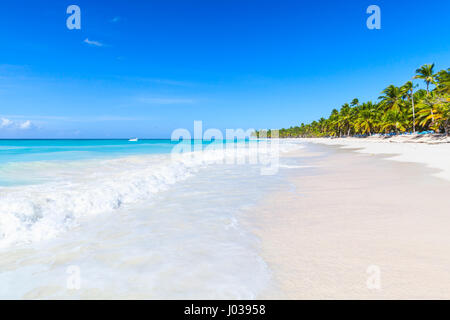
{"x": 133, "y": 139}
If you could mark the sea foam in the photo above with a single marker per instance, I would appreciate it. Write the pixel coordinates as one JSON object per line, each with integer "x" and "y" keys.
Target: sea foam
{"x": 72, "y": 190}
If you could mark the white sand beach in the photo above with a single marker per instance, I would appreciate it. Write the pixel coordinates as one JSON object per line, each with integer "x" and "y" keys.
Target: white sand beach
{"x": 432, "y": 151}
{"x": 355, "y": 213}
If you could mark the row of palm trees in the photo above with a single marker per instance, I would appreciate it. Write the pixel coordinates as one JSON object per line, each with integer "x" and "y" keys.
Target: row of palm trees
{"x": 398, "y": 110}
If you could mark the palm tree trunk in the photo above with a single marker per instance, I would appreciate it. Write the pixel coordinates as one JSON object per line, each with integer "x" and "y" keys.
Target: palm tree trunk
{"x": 414, "y": 113}
{"x": 432, "y": 117}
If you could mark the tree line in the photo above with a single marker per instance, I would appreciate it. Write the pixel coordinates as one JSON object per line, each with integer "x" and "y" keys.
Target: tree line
{"x": 398, "y": 110}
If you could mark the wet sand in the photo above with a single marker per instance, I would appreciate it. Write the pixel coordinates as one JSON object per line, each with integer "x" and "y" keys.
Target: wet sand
{"x": 350, "y": 216}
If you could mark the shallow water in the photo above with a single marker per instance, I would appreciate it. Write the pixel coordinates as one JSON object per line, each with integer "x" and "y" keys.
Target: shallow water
{"x": 140, "y": 226}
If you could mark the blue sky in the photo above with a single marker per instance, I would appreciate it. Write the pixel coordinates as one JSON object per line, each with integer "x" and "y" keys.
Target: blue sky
{"x": 145, "y": 68}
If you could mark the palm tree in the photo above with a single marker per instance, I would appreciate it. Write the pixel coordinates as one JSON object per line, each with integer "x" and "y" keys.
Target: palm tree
{"x": 394, "y": 120}
{"x": 427, "y": 110}
{"x": 440, "y": 105}
{"x": 443, "y": 80}
{"x": 322, "y": 125}
{"x": 366, "y": 118}
{"x": 408, "y": 90}
{"x": 345, "y": 118}
{"x": 392, "y": 98}
{"x": 334, "y": 123}
{"x": 444, "y": 106}
{"x": 426, "y": 73}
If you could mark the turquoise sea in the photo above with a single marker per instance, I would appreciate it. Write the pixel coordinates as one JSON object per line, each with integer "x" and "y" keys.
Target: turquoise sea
{"x": 134, "y": 219}
{"x": 71, "y": 149}
{"x": 16, "y": 152}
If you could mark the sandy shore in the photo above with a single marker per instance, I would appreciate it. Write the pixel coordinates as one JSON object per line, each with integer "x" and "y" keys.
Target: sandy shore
{"x": 354, "y": 214}
{"x": 432, "y": 151}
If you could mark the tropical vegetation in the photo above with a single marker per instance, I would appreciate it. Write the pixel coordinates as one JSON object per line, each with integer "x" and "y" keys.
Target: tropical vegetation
{"x": 398, "y": 110}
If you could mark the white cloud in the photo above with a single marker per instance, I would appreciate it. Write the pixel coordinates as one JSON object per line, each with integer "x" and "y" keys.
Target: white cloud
{"x": 25, "y": 125}
{"x": 116, "y": 19}
{"x": 5, "y": 123}
{"x": 93, "y": 43}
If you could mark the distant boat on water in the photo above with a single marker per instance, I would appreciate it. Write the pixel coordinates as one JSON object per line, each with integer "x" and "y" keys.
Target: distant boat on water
{"x": 133, "y": 139}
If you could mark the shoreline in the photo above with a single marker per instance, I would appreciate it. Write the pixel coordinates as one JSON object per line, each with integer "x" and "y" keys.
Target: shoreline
{"x": 409, "y": 149}
{"x": 404, "y": 138}
{"x": 349, "y": 212}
